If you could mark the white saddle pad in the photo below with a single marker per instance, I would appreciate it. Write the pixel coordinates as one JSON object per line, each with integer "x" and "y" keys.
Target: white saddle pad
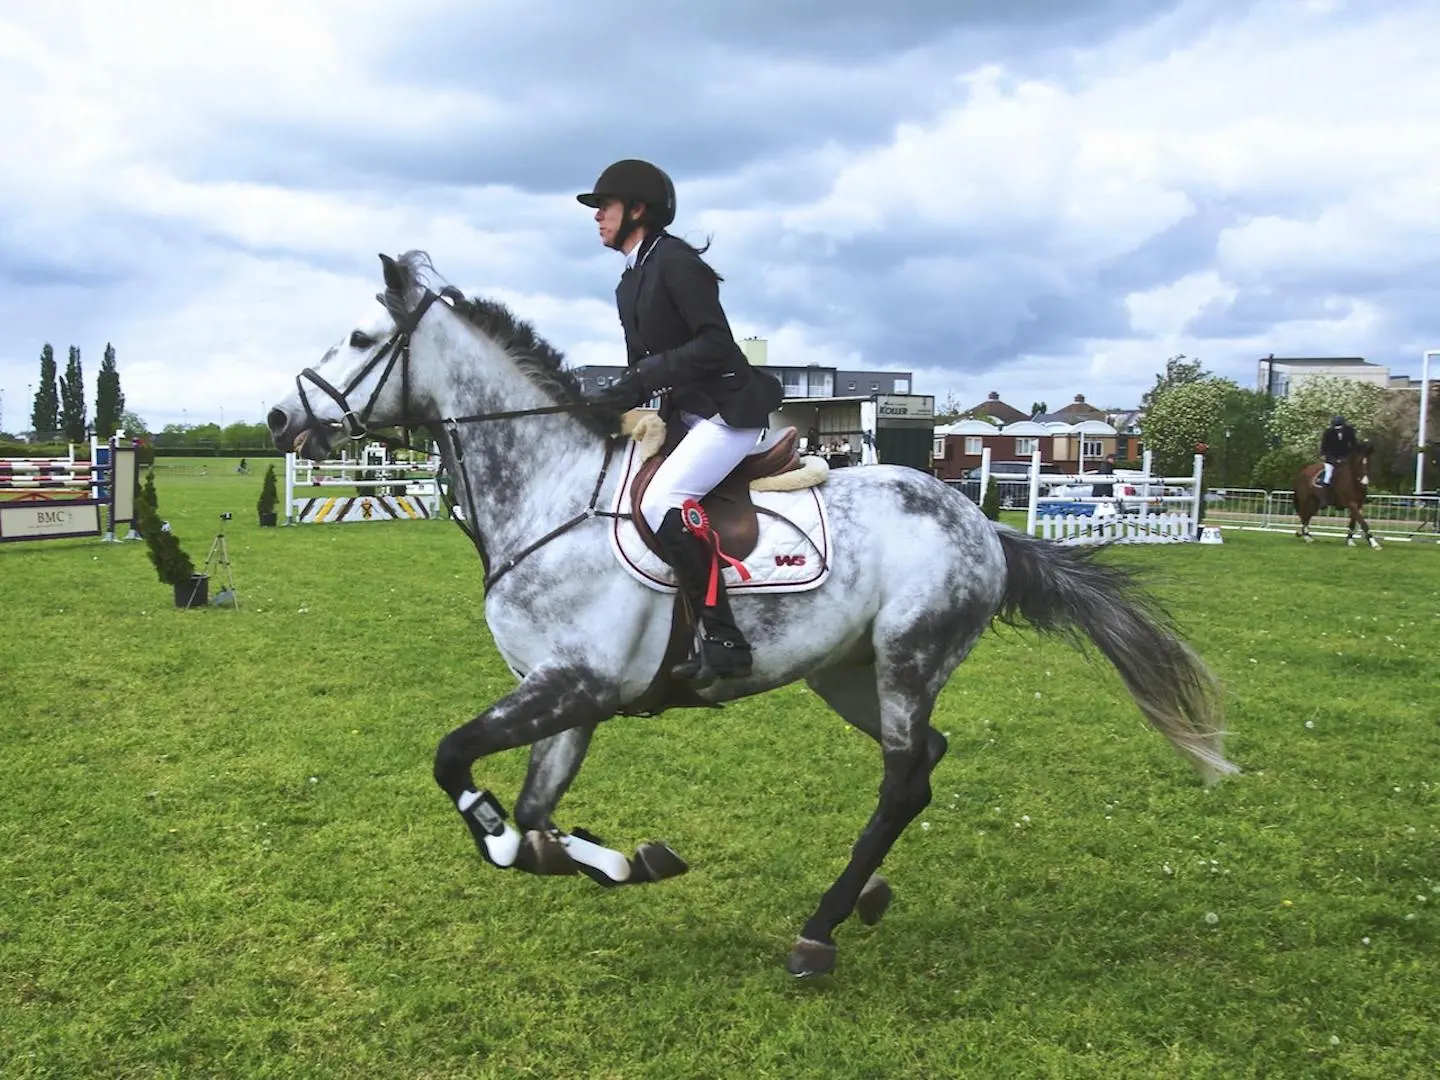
{"x": 791, "y": 555}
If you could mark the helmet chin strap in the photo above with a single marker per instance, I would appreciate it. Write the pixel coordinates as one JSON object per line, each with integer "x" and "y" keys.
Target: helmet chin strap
{"x": 628, "y": 225}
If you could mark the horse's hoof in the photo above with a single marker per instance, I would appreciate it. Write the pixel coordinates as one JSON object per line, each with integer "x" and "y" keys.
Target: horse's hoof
{"x": 654, "y": 861}
{"x": 541, "y": 853}
{"x": 810, "y": 958}
{"x": 1375, "y": 543}
{"x": 1350, "y": 543}
{"x": 874, "y": 898}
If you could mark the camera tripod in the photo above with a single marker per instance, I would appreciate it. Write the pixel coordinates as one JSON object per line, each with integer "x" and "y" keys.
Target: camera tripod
{"x": 220, "y": 556}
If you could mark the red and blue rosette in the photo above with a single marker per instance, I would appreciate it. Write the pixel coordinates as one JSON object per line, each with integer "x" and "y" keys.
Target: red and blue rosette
{"x": 697, "y": 524}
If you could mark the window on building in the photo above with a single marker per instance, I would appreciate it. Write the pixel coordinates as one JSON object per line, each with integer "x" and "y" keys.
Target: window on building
{"x": 820, "y": 384}
{"x": 939, "y": 451}
{"x": 851, "y": 384}
{"x": 974, "y": 445}
{"x": 794, "y": 383}
{"x": 902, "y": 386}
{"x": 1026, "y": 447}
{"x": 874, "y": 386}
{"x": 1093, "y": 448}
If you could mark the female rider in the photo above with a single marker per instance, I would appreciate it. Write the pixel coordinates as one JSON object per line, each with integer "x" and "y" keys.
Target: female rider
{"x": 679, "y": 340}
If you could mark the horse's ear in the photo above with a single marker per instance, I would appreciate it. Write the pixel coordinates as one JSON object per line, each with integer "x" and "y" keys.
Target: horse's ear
{"x": 394, "y": 278}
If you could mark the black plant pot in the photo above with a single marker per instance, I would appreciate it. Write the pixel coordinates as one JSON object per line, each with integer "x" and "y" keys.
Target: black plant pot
{"x": 267, "y": 521}
{"x": 193, "y": 593}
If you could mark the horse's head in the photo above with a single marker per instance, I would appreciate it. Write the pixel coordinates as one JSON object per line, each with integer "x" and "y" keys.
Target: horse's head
{"x": 363, "y": 380}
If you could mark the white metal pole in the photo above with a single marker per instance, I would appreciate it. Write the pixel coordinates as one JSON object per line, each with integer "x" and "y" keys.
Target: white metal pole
{"x": 984, "y": 471}
{"x": 1031, "y": 514}
{"x": 1424, "y": 416}
{"x": 289, "y": 486}
{"x": 1198, "y": 478}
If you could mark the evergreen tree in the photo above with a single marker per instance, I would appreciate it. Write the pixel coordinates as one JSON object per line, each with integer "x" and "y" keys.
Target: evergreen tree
{"x": 45, "y": 414}
{"x": 109, "y": 398}
{"x": 72, "y": 399}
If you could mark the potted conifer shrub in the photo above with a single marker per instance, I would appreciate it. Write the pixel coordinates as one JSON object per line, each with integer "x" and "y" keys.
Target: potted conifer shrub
{"x": 990, "y": 502}
{"x": 172, "y": 565}
{"x": 269, "y": 496}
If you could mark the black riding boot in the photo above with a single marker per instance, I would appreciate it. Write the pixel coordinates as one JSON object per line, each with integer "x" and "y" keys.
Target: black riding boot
{"x": 724, "y": 652}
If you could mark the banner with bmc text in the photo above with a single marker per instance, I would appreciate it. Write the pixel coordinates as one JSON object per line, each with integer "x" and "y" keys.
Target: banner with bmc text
{"x": 48, "y": 521}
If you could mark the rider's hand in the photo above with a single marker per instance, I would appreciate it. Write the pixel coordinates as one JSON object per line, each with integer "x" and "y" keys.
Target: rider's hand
{"x": 626, "y": 392}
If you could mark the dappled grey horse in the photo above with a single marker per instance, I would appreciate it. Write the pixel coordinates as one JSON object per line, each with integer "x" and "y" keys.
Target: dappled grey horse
{"x": 917, "y": 575}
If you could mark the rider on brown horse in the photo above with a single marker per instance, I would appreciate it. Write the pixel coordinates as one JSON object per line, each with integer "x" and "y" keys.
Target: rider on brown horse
{"x": 1336, "y": 445}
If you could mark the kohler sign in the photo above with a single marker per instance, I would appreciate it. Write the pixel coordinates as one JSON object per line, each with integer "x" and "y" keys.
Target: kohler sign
{"x": 905, "y": 406}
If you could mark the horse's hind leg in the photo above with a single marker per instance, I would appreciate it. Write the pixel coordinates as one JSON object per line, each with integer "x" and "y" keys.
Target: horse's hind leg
{"x": 892, "y": 702}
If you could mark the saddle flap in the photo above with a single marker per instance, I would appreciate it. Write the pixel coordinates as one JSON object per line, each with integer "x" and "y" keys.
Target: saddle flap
{"x": 731, "y": 513}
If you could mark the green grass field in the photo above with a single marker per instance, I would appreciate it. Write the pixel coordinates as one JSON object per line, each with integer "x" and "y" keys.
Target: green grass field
{"x": 222, "y": 854}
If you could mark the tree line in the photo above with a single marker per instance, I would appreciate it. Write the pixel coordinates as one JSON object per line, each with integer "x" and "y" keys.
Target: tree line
{"x": 59, "y": 413}
{"x": 1254, "y": 440}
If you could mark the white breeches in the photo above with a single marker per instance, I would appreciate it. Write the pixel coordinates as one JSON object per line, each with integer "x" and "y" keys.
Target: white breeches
{"x": 1329, "y": 472}
{"x": 706, "y": 455}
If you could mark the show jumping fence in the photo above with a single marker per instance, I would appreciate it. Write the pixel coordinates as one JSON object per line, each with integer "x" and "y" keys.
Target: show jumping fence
{"x": 371, "y": 489}
{"x": 62, "y": 498}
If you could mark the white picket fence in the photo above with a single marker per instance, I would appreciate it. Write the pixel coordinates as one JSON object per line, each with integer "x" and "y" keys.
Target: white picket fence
{"x": 1163, "y": 509}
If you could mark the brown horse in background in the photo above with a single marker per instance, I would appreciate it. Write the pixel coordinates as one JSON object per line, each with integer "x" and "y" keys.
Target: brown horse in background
{"x": 1348, "y": 485}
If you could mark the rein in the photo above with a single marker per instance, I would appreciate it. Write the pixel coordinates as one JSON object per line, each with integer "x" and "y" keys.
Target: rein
{"x": 354, "y": 425}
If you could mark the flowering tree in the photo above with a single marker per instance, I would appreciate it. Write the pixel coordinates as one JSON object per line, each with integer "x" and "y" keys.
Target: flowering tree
{"x": 1300, "y": 418}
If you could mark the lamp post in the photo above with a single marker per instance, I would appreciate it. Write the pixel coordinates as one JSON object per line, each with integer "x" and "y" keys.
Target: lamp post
{"x": 1420, "y": 445}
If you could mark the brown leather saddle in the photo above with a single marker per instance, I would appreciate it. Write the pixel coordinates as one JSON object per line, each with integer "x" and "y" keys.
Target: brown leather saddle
{"x": 732, "y": 514}
{"x": 733, "y": 517}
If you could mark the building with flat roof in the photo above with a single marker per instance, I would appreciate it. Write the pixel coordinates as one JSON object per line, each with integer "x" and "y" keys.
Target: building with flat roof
{"x": 808, "y": 381}
{"x": 1278, "y": 375}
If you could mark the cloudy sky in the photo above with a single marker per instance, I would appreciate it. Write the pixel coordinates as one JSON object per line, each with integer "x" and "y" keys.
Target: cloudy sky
{"x": 1039, "y": 197}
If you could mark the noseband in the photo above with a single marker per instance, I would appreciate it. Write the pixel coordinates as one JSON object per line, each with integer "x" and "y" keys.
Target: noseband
{"x": 397, "y": 349}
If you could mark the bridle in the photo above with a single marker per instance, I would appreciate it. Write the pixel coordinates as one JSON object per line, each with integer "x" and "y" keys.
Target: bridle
{"x": 355, "y": 425}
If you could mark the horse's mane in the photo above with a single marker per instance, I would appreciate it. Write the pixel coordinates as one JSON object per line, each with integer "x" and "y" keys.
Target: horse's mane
{"x": 540, "y": 361}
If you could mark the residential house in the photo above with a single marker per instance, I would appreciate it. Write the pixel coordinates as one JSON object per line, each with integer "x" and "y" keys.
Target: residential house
{"x": 1070, "y": 447}
{"x": 1129, "y": 442}
{"x": 994, "y": 410}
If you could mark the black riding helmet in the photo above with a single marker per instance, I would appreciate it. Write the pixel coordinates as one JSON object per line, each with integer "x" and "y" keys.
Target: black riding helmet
{"x": 634, "y": 181}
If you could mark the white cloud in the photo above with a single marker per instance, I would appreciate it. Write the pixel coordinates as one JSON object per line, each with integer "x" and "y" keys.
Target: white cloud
{"x": 1311, "y": 124}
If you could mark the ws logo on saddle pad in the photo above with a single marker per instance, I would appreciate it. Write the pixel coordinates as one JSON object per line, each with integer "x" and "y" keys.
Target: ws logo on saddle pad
{"x": 782, "y": 537}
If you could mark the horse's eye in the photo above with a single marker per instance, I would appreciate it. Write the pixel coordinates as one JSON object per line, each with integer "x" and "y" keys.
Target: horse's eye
{"x": 361, "y": 340}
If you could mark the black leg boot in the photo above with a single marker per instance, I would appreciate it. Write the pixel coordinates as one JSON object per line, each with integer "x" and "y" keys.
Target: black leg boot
{"x": 724, "y": 652}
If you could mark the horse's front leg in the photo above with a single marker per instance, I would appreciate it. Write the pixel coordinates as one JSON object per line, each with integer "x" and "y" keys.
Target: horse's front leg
{"x": 548, "y": 702}
{"x": 545, "y": 849}
{"x": 1364, "y": 527}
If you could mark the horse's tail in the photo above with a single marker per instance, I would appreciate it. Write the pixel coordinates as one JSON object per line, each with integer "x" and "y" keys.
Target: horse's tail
{"x": 1063, "y": 590}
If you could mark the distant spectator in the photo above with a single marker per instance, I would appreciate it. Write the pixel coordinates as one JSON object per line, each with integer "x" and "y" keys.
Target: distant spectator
{"x": 1105, "y": 468}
